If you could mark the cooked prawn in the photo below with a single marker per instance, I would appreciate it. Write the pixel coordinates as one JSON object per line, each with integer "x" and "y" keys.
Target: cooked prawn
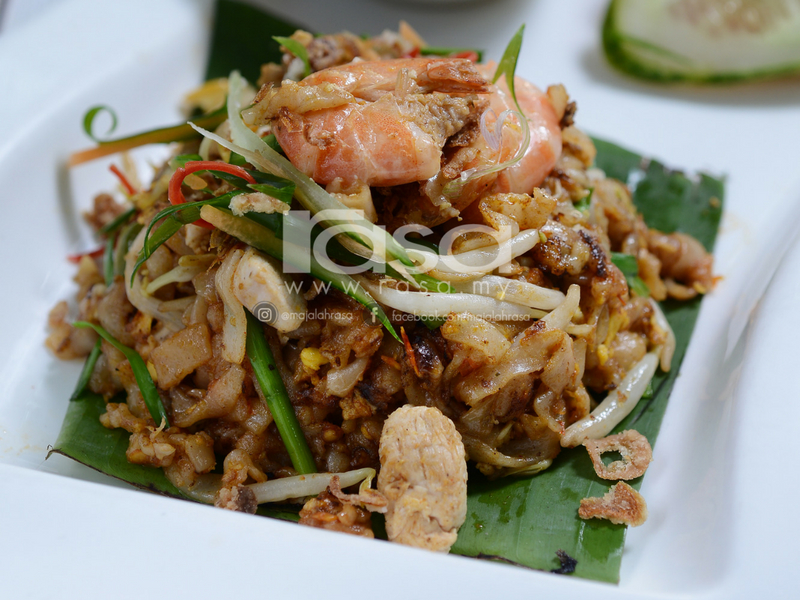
{"x": 385, "y": 123}
{"x": 545, "y": 144}
{"x": 376, "y": 122}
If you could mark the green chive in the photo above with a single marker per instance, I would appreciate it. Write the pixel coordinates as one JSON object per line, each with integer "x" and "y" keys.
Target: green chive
{"x": 108, "y": 260}
{"x": 126, "y": 237}
{"x": 146, "y": 386}
{"x": 272, "y": 142}
{"x": 91, "y": 114}
{"x": 86, "y": 372}
{"x": 508, "y": 64}
{"x": 270, "y": 382}
{"x": 117, "y": 222}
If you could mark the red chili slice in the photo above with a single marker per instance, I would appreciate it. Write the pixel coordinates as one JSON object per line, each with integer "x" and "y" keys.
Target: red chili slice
{"x": 123, "y": 180}
{"x": 176, "y": 195}
{"x": 76, "y": 258}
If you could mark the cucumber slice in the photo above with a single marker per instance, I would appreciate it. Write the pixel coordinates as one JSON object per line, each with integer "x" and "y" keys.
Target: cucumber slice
{"x": 706, "y": 41}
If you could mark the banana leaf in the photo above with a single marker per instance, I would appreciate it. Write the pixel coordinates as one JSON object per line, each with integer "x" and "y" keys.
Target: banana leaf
{"x": 525, "y": 521}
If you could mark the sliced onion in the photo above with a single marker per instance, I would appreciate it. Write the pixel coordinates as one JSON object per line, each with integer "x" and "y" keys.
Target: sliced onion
{"x": 561, "y": 316}
{"x": 668, "y": 349}
{"x": 340, "y": 382}
{"x": 482, "y": 452}
{"x": 234, "y": 329}
{"x": 512, "y": 290}
{"x": 138, "y": 297}
{"x": 616, "y": 406}
{"x": 300, "y": 486}
{"x": 434, "y": 305}
{"x": 476, "y": 334}
{"x": 180, "y": 304}
{"x": 177, "y": 275}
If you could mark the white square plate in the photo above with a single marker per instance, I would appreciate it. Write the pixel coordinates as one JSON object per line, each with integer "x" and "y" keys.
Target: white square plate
{"x": 720, "y": 489}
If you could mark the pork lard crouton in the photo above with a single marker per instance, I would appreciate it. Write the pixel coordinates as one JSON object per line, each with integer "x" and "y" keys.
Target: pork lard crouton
{"x": 424, "y": 478}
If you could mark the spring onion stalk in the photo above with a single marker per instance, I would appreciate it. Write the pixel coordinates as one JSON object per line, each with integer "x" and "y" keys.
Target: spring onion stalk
{"x": 108, "y": 260}
{"x": 115, "y": 224}
{"x": 266, "y": 372}
{"x": 164, "y": 135}
{"x": 262, "y": 238}
{"x": 86, "y": 372}
{"x": 143, "y": 379}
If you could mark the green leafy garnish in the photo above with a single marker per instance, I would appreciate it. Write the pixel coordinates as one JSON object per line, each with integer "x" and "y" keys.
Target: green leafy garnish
{"x": 584, "y": 203}
{"x": 297, "y": 49}
{"x": 508, "y": 64}
{"x": 271, "y": 141}
{"x": 143, "y": 379}
{"x": 629, "y": 266}
{"x": 91, "y": 114}
{"x": 270, "y": 382}
{"x": 180, "y": 161}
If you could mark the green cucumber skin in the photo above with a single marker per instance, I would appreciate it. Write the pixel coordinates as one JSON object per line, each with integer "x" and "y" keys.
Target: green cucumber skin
{"x": 622, "y": 60}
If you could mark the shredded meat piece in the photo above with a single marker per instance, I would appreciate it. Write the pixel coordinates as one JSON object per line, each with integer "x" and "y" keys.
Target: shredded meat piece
{"x": 65, "y": 341}
{"x": 634, "y": 448}
{"x": 326, "y": 511}
{"x": 622, "y": 504}
{"x": 424, "y": 477}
